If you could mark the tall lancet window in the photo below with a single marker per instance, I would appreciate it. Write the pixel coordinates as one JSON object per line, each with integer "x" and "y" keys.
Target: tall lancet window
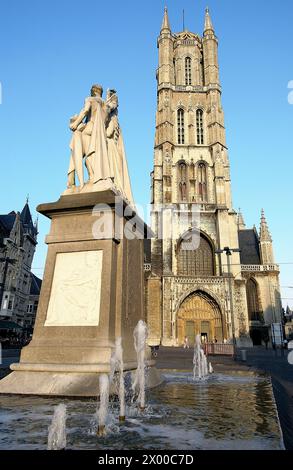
{"x": 199, "y": 126}
{"x": 182, "y": 177}
{"x": 202, "y": 182}
{"x": 180, "y": 126}
{"x": 253, "y": 304}
{"x": 174, "y": 67}
{"x": 188, "y": 71}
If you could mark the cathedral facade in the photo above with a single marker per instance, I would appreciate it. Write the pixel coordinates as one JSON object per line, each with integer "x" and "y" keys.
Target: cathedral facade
{"x": 227, "y": 286}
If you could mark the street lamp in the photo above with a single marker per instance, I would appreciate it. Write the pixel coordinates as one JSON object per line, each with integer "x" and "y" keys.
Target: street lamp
{"x": 229, "y": 252}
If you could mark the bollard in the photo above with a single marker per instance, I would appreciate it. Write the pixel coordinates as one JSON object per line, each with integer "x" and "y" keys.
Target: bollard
{"x": 243, "y": 355}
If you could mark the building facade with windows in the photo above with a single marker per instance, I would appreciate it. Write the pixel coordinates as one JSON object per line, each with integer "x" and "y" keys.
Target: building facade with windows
{"x": 187, "y": 288}
{"x": 19, "y": 288}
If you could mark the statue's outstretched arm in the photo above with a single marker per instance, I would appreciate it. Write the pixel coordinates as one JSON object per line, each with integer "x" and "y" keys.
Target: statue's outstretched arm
{"x": 83, "y": 113}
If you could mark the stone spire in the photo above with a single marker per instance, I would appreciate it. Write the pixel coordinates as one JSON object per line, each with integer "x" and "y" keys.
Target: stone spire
{"x": 36, "y": 225}
{"x": 240, "y": 221}
{"x": 265, "y": 241}
{"x": 264, "y": 233}
{"x": 166, "y": 24}
{"x": 208, "y": 25}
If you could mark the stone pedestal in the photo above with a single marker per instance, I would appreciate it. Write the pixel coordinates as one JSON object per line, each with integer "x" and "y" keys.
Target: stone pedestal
{"x": 92, "y": 292}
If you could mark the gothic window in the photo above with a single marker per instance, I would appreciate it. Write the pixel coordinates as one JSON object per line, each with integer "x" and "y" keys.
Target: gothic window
{"x": 199, "y": 127}
{"x": 174, "y": 66}
{"x": 180, "y": 126}
{"x": 29, "y": 308}
{"x": 202, "y": 182}
{"x": 5, "y": 302}
{"x": 202, "y": 71}
{"x": 182, "y": 177}
{"x": 192, "y": 182}
{"x": 254, "y": 311}
{"x": 188, "y": 71}
{"x": 195, "y": 262}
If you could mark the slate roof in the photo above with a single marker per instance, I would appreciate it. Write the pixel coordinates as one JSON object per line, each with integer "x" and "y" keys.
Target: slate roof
{"x": 36, "y": 285}
{"x": 7, "y": 221}
{"x": 249, "y": 246}
{"x": 27, "y": 220}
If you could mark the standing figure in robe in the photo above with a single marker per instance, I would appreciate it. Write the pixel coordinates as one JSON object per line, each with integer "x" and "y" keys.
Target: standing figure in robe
{"x": 89, "y": 142}
{"x": 116, "y": 149}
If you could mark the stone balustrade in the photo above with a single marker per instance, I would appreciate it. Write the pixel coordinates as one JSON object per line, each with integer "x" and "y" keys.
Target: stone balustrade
{"x": 259, "y": 267}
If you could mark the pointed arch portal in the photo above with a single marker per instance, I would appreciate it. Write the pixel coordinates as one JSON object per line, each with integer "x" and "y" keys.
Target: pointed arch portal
{"x": 200, "y": 314}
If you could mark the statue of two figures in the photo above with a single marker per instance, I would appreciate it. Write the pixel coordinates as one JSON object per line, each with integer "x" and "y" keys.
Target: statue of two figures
{"x": 97, "y": 141}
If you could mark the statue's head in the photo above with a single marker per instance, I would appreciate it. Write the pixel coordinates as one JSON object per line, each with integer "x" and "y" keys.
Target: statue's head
{"x": 111, "y": 92}
{"x": 96, "y": 90}
{"x": 112, "y": 99}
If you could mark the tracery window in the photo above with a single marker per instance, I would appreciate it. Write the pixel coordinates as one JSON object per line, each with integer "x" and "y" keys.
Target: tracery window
{"x": 192, "y": 182}
{"x": 180, "y": 126}
{"x": 187, "y": 71}
{"x": 254, "y": 310}
{"x": 197, "y": 262}
{"x": 182, "y": 178}
{"x": 199, "y": 127}
{"x": 202, "y": 182}
{"x": 174, "y": 68}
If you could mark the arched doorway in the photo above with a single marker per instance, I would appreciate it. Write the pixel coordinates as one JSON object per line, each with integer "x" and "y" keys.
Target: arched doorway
{"x": 200, "y": 314}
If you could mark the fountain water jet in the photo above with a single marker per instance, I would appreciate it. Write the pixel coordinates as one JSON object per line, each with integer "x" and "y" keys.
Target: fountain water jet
{"x": 140, "y": 337}
{"x": 117, "y": 364}
{"x": 200, "y": 369}
{"x": 57, "y": 429}
{"x": 104, "y": 404}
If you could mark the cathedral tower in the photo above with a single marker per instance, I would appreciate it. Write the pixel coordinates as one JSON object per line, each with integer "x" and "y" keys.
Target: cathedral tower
{"x": 192, "y": 173}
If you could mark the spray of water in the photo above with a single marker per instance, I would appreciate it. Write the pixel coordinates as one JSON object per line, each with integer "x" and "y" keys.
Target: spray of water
{"x": 57, "y": 429}
{"x": 140, "y": 337}
{"x": 104, "y": 404}
{"x": 200, "y": 363}
{"x": 119, "y": 365}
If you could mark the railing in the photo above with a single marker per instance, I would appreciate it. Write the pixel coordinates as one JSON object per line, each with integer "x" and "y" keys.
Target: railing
{"x": 218, "y": 349}
{"x": 259, "y": 267}
{"x": 197, "y": 88}
{"x": 147, "y": 267}
{"x": 214, "y": 280}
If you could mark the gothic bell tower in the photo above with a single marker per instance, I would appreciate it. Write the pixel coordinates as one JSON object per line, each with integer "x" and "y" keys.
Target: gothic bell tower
{"x": 191, "y": 291}
{"x": 191, "y": 164}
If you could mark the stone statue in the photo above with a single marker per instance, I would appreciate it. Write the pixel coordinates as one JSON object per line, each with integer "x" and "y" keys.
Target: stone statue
{"x": 115, "y": 146}
{"x": 97, "y": 141}
{"x": 89, "y": 141}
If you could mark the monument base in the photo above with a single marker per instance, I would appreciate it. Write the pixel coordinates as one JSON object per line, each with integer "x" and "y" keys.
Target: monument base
{"x": 38, "y": 380}
{"x": 92, "y": 293}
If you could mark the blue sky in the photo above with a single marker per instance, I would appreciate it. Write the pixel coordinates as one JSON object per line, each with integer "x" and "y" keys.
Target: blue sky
{"x": 52, "y": 52}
